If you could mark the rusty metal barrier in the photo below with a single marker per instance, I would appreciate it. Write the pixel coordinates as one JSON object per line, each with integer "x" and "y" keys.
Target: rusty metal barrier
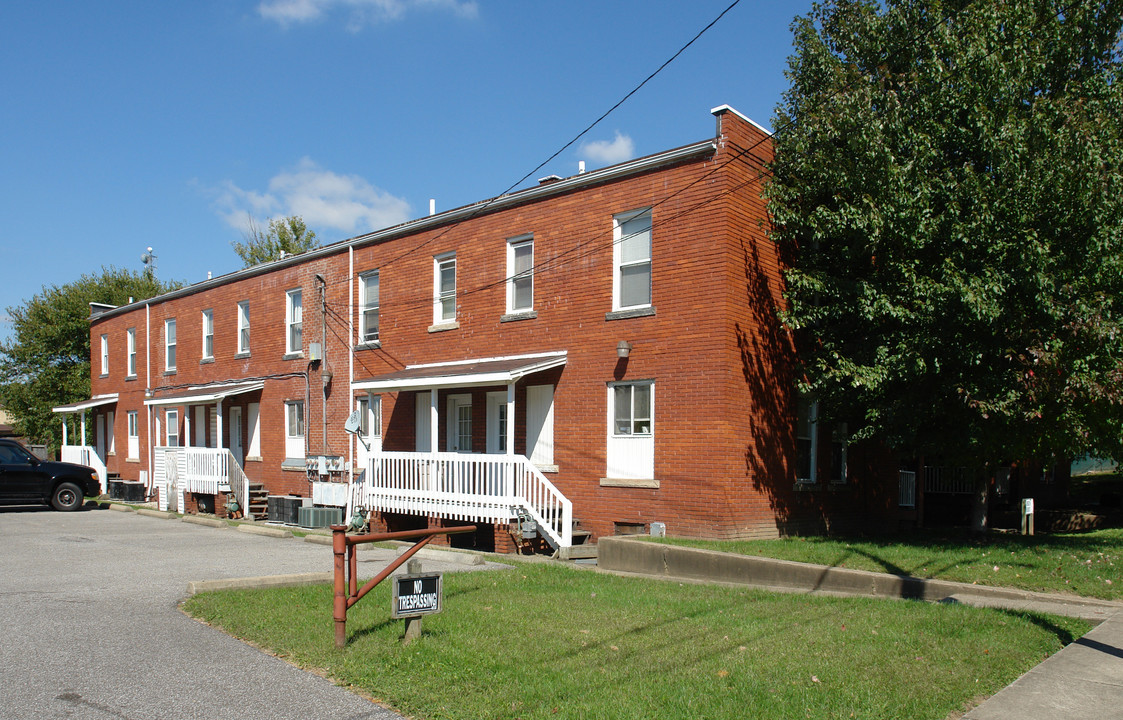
{"x": 346, "y": 579}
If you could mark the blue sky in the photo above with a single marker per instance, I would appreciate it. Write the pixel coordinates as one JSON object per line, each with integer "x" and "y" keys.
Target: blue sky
{"x": 126, "y": 125}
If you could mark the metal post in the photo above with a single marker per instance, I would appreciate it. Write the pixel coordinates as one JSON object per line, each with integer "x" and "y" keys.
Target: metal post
{"x": 339, "y": 607}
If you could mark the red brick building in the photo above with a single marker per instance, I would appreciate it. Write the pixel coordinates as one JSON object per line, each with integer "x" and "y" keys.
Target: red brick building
{"x": 602, "y": 348}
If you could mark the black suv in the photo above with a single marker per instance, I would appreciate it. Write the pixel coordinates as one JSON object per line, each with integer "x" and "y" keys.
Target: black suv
{"x": 25, "y": 478}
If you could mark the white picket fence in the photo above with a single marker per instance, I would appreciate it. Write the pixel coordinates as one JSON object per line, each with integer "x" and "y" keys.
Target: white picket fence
{"x": 199, "y": 470}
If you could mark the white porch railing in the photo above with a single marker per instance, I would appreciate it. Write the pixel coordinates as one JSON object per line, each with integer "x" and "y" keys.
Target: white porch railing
{"x": 474, "y": 488}
{"x": 208, "y": 471}
{"x": 86, "y": 455}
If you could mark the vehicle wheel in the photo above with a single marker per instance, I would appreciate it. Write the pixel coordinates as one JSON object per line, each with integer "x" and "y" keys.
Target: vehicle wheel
{"x": 67, "y": 497}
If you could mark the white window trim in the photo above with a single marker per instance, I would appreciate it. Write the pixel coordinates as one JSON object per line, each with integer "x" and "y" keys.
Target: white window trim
{"x": 170, "y": 341}
{"x": 618, "y": 221}
{"x": 291, "y": 321}
{"x": 513, "y": 275}
{"x": 244, "y": 327}
{"x": 363, "y": 307}
{"x": 439, "y": 297}
{"x": 104, "y": 354}
{"x": 208, "y": 334}
{"x": 130, "y": 352}
{"x": 292, "y": 441}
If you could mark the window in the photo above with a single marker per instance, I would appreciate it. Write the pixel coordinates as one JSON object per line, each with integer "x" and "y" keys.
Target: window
{"x": 104, "y": 354}
{"x": 520, "y": 274}
{"x": 368, "y": 307}
{"x": 169, "y": 344}
{"x": 294, "y": 315}
{"x": 444, "y": 283}
{"x": 131, "y": 351}
{"x": 208, "y": 334}
{"x": 631, "y": 255}
{"x": 134, "y": 436}
{"x": 632, "y": 409}
{"x": 171, "y": 421}
{"x": 808, "y": 438}
{"x": 244, "y": 327}
{"x": 294, "y": 429}
{"x": 370, "y": 408}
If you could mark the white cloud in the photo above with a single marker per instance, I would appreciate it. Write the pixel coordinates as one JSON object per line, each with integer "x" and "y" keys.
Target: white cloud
{"x": 323, "y": 198}
{"x": 619, "y": 149}
{"x": 359, "y": 12}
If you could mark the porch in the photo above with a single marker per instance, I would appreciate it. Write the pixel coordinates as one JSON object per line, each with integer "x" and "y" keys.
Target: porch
{"x": 203, "y": 465}
{"x": 457, "y": 482}
{"x": 93, "y": 456}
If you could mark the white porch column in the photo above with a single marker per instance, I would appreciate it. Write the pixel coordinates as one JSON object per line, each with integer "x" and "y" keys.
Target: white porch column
{"x": 433, "y": 437}
{"x": 64, "y": 429}
{"x": 82, "y": 417}
{"x": 511, "y": 418}
{"x": 218, "y": 430}
{"x": 186, "y": 426}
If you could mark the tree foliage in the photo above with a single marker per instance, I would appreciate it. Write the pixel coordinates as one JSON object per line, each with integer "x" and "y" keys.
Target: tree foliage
{"x": 284, "y": 236}
{"x": 46, "y": 360}
{"x": 948, "y": 188}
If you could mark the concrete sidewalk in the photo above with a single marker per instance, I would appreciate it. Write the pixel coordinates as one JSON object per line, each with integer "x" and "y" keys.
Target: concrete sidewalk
{"x": 1083, "y": 680}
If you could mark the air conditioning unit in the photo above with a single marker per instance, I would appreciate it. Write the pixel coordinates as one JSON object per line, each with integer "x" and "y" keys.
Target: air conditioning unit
{"x": 285, "y": 508}
{"x": 320, "y": 517}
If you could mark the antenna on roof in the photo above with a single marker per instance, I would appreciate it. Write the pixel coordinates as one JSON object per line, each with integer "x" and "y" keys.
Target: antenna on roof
{"x": 149, "y": 260}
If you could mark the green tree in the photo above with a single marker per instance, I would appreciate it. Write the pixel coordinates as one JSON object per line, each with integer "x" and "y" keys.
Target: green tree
{"x": 46, "y": 360}
{"x": 948, "y": 190}
{"x": 284, "y": 236}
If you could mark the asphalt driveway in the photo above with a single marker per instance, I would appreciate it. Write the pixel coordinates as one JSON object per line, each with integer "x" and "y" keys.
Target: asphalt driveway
{"x": 91, "y": 628}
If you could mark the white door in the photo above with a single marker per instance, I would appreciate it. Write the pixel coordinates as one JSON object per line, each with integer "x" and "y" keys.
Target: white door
{"x": 200, "y": 422}
{"x": 370, "y": 430}
{"x": 497, "y": 422}
{"x": 422, "y": 434}
{"x": 99, "y": 436}
{"x": 540, "y": 424}
{"x": 236, "y": 434}
{"x": 459, "y": 424}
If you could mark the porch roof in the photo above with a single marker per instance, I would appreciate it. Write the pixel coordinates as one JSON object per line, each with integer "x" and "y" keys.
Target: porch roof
{"x": 463, "y": 373}
{"x": 205, "y": 394}
{"x": 95, "y": 401}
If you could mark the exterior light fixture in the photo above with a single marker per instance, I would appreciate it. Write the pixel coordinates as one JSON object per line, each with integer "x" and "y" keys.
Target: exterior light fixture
{"x": 623, "y": 349}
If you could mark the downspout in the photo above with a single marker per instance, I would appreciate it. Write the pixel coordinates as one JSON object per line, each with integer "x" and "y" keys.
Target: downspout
{"x": 147, "y": 391}
{"x": 352, "y": 341}
{"x": 325, "y": 373}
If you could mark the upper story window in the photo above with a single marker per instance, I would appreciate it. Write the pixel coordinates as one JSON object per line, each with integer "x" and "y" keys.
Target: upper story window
{"x": 104, "y": 354}
{"x": 244, "y": 327}
{"x": 208, "y": 334}
{"x": 520, "y": 274}
{"x": 631, "y": 259}
{"x": 294, "y": 319}
{"x": 444, "y": 286}
{"x": 130, "y": 351}
{"x": 169, "y": 344}
{"x": 368, "y": 307}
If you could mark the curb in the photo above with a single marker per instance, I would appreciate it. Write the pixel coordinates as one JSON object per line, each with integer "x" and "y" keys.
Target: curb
{"x": 155, "y": 514}
{"x": 448, "y": 556}
{"x": 266, "y": 531}
{"x": 270, "y": 581}
{"x": 209, "y": 522}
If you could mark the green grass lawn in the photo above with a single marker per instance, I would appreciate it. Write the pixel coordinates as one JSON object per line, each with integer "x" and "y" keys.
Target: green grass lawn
{"x": 1086, "y": 563}
{"x": 551, "y": 641}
